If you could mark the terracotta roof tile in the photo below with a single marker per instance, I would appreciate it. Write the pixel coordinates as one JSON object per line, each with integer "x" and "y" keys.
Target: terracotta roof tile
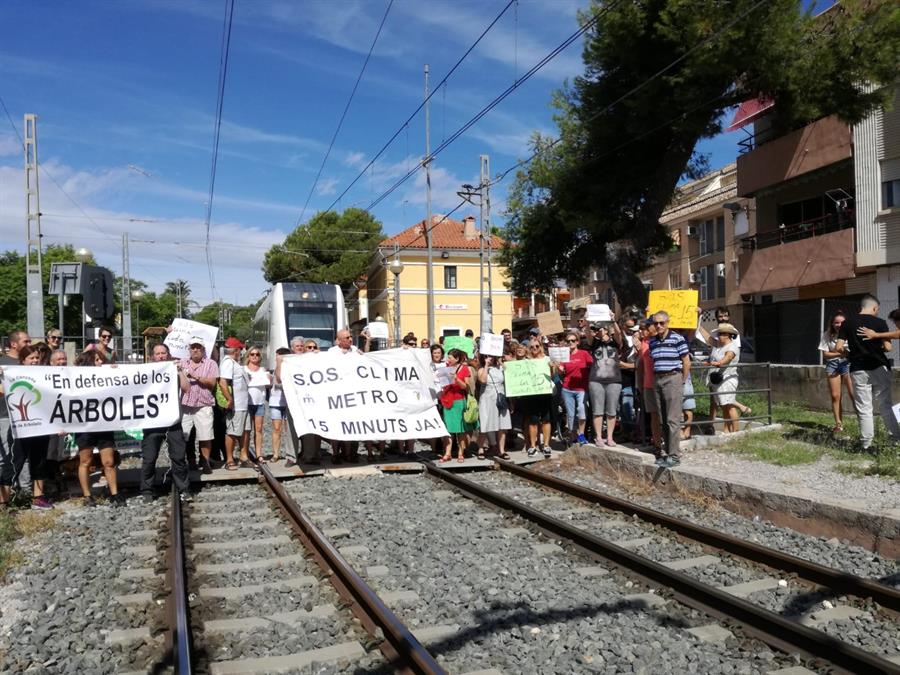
{"x": 446, "y": 233}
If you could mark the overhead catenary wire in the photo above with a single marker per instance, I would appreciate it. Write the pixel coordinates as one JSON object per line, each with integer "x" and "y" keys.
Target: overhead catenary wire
{"x": 344, "y": 113}
{"x": 220, "y": 99}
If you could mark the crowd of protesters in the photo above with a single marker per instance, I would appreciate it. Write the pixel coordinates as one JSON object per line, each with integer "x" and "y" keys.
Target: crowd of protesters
{"x": 629, "y": 376}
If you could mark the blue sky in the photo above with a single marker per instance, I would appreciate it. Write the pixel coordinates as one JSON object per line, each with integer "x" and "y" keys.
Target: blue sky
{"x": 125, "y": 94}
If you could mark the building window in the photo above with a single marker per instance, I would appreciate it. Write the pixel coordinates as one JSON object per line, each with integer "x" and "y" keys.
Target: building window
{"x": 720, "y": 280}
{"x": 708, "y": 230}
{"x": 449, "y": 276}
{"x": 890, "y": 194}
{"x": 706, "y": 287}
{"x": 720, "y": 233}
{"x": 675, "y": 280}
{"x": 704, "y": 238}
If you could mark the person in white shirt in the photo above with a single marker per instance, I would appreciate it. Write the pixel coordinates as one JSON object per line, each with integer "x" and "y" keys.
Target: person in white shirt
{"x": 711, "y": 339}
{"x": 233, "y": 383}
{"x": 259, "y": 380}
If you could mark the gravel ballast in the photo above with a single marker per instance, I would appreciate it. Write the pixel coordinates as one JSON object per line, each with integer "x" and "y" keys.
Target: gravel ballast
{"x": 503, "y": 601}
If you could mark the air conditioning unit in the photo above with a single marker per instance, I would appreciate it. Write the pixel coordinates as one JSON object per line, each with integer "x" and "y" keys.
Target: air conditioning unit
{"x": 694, "y": 278}
{"x": 693, "y": 231}
{"x": 720, "y": 269}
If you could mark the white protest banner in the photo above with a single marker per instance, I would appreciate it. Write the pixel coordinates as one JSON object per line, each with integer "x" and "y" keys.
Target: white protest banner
{"x": 558, "y": 354}
{"x": 45, "y": 400}
{"x": 378, "y": 330}
{"x": 183, "y": 330}
{"x": 491, "y": 345}
{"x": 351, "y": 397}
{"x": 598, "y": 313}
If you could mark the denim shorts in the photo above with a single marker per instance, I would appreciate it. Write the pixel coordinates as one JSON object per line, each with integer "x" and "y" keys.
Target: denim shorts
{"x": 837, "y": 367}
{"x": 277, "y": 413}
{"x": 256, "y": 409}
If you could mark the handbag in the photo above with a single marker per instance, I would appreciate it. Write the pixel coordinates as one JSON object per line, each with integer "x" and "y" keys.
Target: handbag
{"x": 470, "y": 414}
{"x": 502, "y": 402}
{"x": 716, "y": 377}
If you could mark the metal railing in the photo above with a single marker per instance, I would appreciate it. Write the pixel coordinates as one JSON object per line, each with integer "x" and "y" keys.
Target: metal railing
{"x": 814, "y": 227}
{"x": 767, "y": 390}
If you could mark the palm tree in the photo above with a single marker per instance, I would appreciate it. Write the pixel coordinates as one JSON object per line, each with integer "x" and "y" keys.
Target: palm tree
{"x": 182, "y": 291}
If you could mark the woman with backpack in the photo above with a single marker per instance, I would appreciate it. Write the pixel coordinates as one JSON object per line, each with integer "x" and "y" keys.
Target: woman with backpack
{"x": 453, "y": 401}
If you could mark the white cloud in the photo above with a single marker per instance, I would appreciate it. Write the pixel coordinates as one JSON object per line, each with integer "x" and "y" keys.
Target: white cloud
{"x": 10, "y": 146}
{"x": 355, "y": 159}
{"x": 326, "y": 186}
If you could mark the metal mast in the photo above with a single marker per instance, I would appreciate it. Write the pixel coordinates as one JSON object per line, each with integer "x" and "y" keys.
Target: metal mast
{"x": 34, "y": 285}
{"x": 486, "y": 227}
{"x": 126, "y": 298}
{"x": 429, "y": 269}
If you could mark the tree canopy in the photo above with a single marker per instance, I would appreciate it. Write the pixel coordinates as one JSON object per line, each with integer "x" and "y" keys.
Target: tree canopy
{"x": 659, "y": 74}
{"x": 330, "y": 248}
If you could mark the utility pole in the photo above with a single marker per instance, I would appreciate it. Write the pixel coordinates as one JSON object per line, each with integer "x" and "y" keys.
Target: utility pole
{"x": 429, "y": 269}
{"x": 178, "y": 307}
{"x": 126, "y": 299}
{"x": 486, "y": 228}
{"x": 34, "y": 284}
{"x": 481, "y": 253}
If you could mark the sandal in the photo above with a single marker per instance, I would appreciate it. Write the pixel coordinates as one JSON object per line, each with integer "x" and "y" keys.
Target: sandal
{"x": 246, "y": 464}
{"x": 231, "y": 467}
{"x": 838, "y": 429}
{"x": 445, "y": 458}
{"x": 461, "y": 458}
{"x": 481, "y": 453}
{"x": 504, "y": 455}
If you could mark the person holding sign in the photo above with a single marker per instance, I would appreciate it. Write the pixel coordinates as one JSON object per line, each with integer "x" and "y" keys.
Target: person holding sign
{"x": 493, "y": 408}
{"x": 197, "y": 413}
{"x": 453, "y": 400}
{"x": 233, "y": 383}
{"x": 606, "y": 381}
{"x": 536, "y": 408}
{"x": 103, "y": 441}
{"x": 574, "y": 383}
{"x": 259, "y": 382}
{"x": 671, "y": 367}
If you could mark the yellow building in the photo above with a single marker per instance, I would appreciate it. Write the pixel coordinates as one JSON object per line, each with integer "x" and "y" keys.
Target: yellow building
{"x": 456, "y": 250}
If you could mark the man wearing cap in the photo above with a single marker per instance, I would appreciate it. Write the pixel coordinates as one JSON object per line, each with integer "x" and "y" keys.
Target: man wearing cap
{"x": 671, "y": 367}
{"x": 174, "y": 437}
{"x": 201, "y": 374}
{"x": 234, "y": 385}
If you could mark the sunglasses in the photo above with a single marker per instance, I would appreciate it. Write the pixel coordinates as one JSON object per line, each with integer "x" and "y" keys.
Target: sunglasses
{"x": 53, "y": 337}
{"x": 312, "y": 348}
{"x": 105, "y": 337}
{"x": 660, "y": 323}
{"x": 574, "y": 341}
{"x": 254, "y": 354}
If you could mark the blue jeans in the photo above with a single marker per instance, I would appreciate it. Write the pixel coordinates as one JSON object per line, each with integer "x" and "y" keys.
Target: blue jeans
{"x": 626, "y": 408}
{"x": 574, "y": 402}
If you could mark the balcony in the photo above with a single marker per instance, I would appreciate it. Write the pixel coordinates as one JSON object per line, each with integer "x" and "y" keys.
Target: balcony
{"x": 831, "y": 222}
{"x": 817, "y": 145}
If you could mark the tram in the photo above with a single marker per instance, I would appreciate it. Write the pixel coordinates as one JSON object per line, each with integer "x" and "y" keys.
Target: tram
{"x": 314, "y": 311}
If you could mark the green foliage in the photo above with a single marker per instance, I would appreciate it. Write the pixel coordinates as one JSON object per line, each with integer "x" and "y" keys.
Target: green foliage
{"x": 629, "y": 125}
{"x": 13, "y": 309}
{"x": 237, "y": 320}
{"x": 330, "y": 248}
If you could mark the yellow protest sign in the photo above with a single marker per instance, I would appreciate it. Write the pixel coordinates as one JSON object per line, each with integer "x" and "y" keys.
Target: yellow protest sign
{"x": 680, "y": 305}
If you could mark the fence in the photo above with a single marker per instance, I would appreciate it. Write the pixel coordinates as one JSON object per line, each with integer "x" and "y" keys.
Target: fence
{"x": 767, "y": 390}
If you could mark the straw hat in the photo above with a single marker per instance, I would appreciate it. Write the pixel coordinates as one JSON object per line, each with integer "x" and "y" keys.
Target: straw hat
{"x": 725, "y": 328}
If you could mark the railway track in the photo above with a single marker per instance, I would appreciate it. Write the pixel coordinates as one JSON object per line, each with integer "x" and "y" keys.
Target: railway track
{"x": 240, "y": 598}
{"x": 619, "y": 541}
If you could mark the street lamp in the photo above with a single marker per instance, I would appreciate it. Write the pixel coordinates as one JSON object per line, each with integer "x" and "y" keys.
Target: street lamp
{"x": 136, "y": 297}
{"x": 396, "y": 267}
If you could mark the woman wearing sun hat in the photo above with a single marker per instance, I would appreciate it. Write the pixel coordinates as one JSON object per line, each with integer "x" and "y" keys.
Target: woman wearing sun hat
{"x": 723, "y": 380}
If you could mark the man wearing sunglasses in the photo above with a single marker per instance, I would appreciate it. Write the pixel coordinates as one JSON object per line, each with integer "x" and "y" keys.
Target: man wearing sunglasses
{"x": 54, "y": 339}
{"x": 671, "y": 367}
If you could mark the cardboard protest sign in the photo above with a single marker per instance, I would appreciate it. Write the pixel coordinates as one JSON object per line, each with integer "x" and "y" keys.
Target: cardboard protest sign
{"x": 550, "y": 323}
{"x": 378, "y": 330}
{"x": 183, "y": 330}
{"x": 355, "y": 397}
{"x": 559, "y": 354}
{"x": 459, "y": 342}
{"x": 491, "y": 344}
{"x": 45, "y": 400}
{"x": 527, "y": 377}
{"x": 598, "y": 313}
{"x": 680, "y": 305}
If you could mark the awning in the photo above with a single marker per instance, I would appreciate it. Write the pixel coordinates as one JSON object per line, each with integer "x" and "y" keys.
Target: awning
{"x": 749, "y": 111}
{"x": 580, "y": 303}
{"x": 827, "y": 257}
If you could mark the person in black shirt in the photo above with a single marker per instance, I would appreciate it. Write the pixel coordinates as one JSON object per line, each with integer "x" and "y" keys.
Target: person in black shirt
{"x": 869, "y": 369}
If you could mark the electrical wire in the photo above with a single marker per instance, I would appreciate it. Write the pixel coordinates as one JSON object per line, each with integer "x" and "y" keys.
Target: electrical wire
{"x": 344, "y": 114}
{"x": 220, "y": 99}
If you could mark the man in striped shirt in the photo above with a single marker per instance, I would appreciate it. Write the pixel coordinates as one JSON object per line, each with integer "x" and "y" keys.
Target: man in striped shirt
{"x": 202, "y": 374}
{"x": 671, "y": 367}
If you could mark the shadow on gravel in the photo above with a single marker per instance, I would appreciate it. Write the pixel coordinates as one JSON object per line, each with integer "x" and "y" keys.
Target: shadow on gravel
{"x": 505, "y": 616}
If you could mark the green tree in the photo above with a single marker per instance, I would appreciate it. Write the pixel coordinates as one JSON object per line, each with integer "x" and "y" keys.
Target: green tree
{"x": 13, "y": 308}
{"x": 182, "y": 287}
{"x": 237, "y": 319}
{"x": 629, "y": 125}
{"x": 330, "y": 248}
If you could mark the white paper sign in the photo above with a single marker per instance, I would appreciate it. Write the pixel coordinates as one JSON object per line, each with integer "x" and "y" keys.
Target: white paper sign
{"x": 258, "y": 378}
{"x": 896, "y": 410}
{"x": 179, "y": 340}
{"x": 44, "y": 400}
{"x": 598, "y": 313}
{"x": 491, "y": 345}
{"x": 350, "y": 397}
{"x": 444, "y": 376}
{"x": 378, "y": 330}
{"x": 559, "y": 354}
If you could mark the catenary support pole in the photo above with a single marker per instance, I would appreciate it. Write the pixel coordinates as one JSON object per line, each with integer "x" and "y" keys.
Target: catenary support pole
{"x": 429, "y": 266}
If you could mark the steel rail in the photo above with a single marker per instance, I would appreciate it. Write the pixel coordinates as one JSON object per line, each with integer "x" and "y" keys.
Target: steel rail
{"x": 396, "y": 641}
{"x": 179, "y": 641}
{"x": 777, "y": 631}
{"x": 843, "y": 582}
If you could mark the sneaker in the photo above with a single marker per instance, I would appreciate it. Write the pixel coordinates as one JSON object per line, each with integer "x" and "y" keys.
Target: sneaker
{"x": 662, "y": 460}
{"x": 532, "y": 452}
{"x": 546, "y": 451}
{"x": 88, "y": 501}
{"x": 148, "y": 498}
{"x": 582, "y": 440}
{"x": 117, "y": 501}
{"x": 186, "y": 497}
{"x": 673, "y": 461}
{"x": 41, "y": 504}
{"x": 205, "y": 468}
